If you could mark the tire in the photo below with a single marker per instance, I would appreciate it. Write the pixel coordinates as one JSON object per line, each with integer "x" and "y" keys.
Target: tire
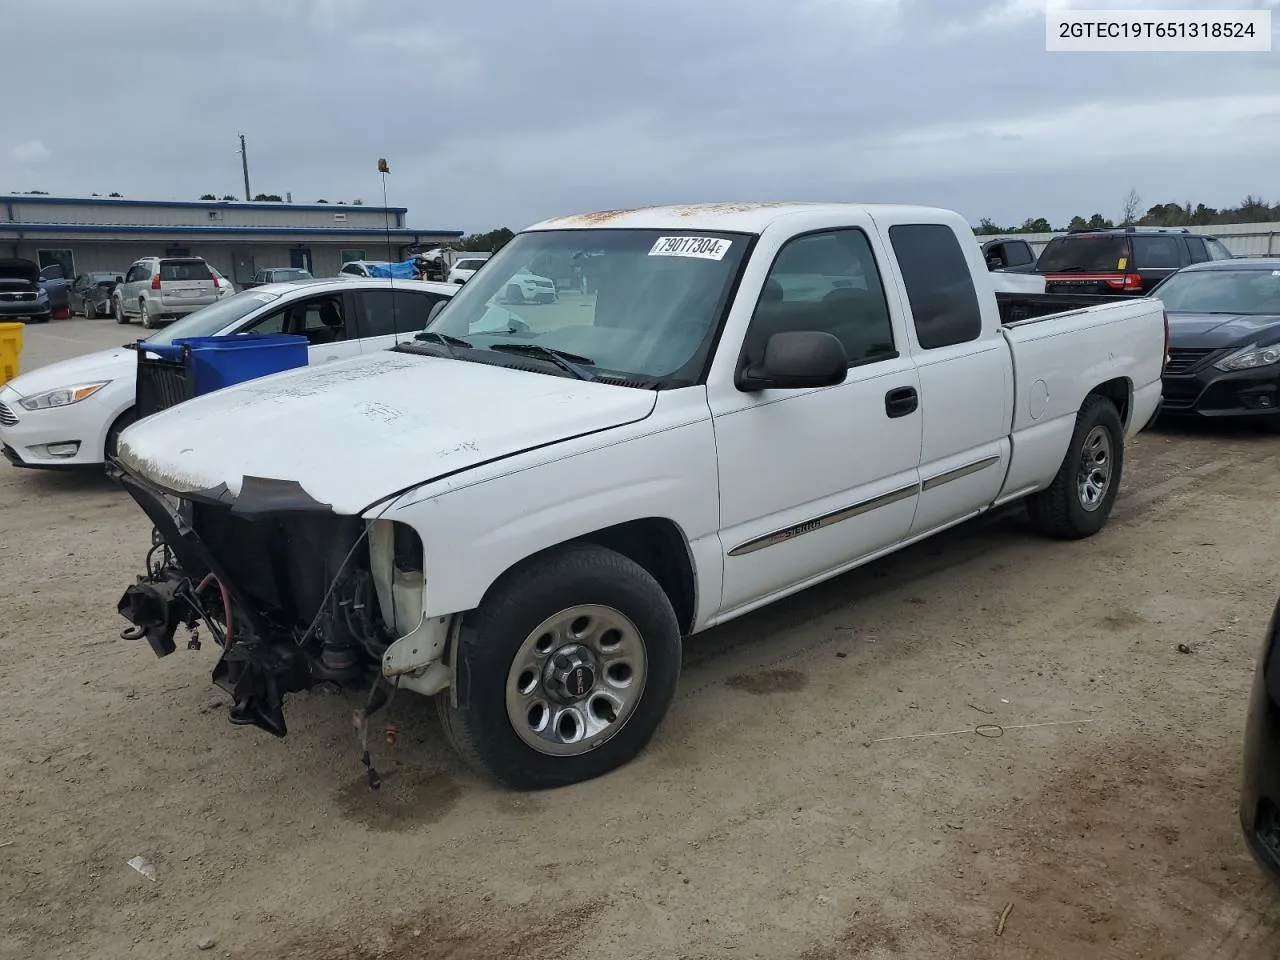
{"x": 597, "y": 593}
{"x": 513, "y": 294}
{"x": 144, "y": 315}
{"x": 1079, "y": 501}
{"x": 113, "y": 432}
{"x": 117, "y": 310}
{"x": 90, "y": 311}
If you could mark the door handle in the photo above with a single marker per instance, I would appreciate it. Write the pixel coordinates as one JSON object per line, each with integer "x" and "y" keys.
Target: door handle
{"x": 901, "y": 401}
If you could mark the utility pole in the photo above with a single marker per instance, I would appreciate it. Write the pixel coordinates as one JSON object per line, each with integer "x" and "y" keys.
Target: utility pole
{"x": 244, "y": 164}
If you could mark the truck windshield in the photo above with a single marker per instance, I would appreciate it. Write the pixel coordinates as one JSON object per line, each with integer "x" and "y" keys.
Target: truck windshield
{"x": 1252, "y": 292}
{"x": 636, "y": 304}
{"x": 1083, "y": 253}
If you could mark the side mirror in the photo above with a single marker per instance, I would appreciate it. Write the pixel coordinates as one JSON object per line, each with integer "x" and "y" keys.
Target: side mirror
{"x": 797, "y": 359}
{"x": 435, "y": 310}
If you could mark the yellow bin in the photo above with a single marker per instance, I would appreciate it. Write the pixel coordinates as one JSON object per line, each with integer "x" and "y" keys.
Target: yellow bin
{"x": 10, "y": 350}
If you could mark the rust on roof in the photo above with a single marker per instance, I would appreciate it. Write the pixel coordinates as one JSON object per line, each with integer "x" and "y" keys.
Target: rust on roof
{"x": 598, "y": 217}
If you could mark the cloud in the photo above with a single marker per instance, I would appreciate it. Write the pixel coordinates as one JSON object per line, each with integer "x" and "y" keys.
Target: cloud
{"x": 506, "y": 112}
{"x": 30, "y": 153}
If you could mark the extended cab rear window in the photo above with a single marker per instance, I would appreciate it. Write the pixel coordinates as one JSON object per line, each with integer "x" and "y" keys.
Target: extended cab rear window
{"x": 944, "y": 303}
{"x": 1085, "y": 254}
{"x": 184, "y": 270}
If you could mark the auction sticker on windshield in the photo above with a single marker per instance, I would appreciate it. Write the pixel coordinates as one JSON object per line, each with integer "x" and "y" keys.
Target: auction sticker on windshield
{"x": 704, "y": 248}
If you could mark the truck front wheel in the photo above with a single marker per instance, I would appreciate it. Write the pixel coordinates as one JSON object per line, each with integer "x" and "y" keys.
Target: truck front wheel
{"x": 1079, "y": 501}
{"x": 565, "y": 671}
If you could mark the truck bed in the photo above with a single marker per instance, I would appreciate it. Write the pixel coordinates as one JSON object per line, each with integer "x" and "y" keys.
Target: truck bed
{"x": 1017, "y": 307}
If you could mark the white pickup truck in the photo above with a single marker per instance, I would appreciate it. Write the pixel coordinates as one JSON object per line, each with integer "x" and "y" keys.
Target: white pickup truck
{"x": 525, "y": 510}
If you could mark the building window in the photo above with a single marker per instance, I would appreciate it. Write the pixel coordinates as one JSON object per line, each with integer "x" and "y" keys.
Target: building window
{"x": 61, "y": 258}
{"x": 177, "y": 251}
{"x": 346, "y": 256}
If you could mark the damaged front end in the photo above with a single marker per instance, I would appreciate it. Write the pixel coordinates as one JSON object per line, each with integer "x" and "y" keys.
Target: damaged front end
{"x": 292, "y": 593}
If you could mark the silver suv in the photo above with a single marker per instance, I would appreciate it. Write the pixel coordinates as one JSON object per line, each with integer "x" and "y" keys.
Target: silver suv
{"x": 164, "y": 288}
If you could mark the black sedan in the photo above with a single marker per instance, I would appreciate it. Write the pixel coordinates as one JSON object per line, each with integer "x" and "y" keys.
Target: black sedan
{"x": 1224, "y": 340}
{"x": 1260, "y": 798}
{"x": 90, "y": 293}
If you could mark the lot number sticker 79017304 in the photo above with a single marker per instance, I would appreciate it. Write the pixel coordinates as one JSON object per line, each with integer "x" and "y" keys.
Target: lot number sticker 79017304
{"x": 704, "y": 248}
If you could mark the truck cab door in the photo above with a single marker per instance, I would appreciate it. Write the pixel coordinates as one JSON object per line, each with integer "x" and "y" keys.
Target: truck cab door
{"x": 965, "y": 370}
{"x": 812, "y": 480}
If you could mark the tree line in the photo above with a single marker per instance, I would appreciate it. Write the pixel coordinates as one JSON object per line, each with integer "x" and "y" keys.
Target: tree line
{"x": 1250, "y": 210}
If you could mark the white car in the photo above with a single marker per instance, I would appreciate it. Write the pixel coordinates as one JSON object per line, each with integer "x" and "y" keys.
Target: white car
{"x": 465, "y": 268}
{"x": 525, "y": 287}
{"x": 359, "y": 269}
{"x": 70, "y": 413}
{"x": 225, "y": 287}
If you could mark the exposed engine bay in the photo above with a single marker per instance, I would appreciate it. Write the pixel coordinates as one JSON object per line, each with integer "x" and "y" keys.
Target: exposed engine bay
{"x": 292, "y": 595}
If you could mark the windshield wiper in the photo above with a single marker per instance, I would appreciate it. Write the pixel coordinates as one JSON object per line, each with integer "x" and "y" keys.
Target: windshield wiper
{"x": 444, "y": 339}
{"x": 1067, "y": 270}
{"x": 565, "y": 361}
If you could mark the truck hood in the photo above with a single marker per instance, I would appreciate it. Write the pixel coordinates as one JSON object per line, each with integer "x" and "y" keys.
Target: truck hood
{"x": 1217, "y": 330}
{"x": 348, "y": 434}
{"x": 25, "y": 271}
{"x": 112, "y": 364}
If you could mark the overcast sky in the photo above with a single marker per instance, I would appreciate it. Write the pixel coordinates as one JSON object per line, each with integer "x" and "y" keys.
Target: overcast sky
{"x": 502, "y": 112}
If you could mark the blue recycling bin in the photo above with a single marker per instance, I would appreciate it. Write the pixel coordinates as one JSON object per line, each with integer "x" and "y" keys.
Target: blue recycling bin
{"x": 193, "y": 366}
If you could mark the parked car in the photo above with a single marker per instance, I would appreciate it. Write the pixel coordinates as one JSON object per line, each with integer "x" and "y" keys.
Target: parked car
{"x": 539, "y": 504}
{"x": 465, "y": 268}
{"x": 1224, "y": 340}
{"x": 224, "y": 286}
{"x": 278, "y": 275}
{"x": 358, "y": 268}
{"x": 525, "y": 287}
{"x": 69, "y": 414}
{"x": 53, "y": 279}
{"x": 1260, "y": 793}
{"x": 1126, "y": 260}
{"x": 1009, "y": 254}
{"x": 157, "y": 289}
{"x": 22, "y": 295}
{"x": 90, "y": 294}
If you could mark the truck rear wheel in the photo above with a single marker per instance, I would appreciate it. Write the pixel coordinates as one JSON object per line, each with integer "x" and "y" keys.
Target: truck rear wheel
{"x": 565, "y": 671}
{"x": 1079, "y": 501}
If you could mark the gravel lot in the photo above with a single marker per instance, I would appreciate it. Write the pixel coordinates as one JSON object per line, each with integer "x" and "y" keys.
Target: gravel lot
{"x": 774, "y": 816}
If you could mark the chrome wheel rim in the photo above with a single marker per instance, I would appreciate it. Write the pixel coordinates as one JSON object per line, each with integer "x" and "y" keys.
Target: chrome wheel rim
{"x": 1094, "y": 477}
{"x": 576, "y": 680}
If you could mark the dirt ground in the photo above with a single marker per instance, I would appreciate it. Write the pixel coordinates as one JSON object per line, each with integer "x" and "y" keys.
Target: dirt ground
{"x": 780, "y": 812}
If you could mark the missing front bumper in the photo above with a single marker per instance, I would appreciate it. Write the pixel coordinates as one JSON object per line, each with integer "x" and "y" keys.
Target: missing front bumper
{"x": 287, "y": 588}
